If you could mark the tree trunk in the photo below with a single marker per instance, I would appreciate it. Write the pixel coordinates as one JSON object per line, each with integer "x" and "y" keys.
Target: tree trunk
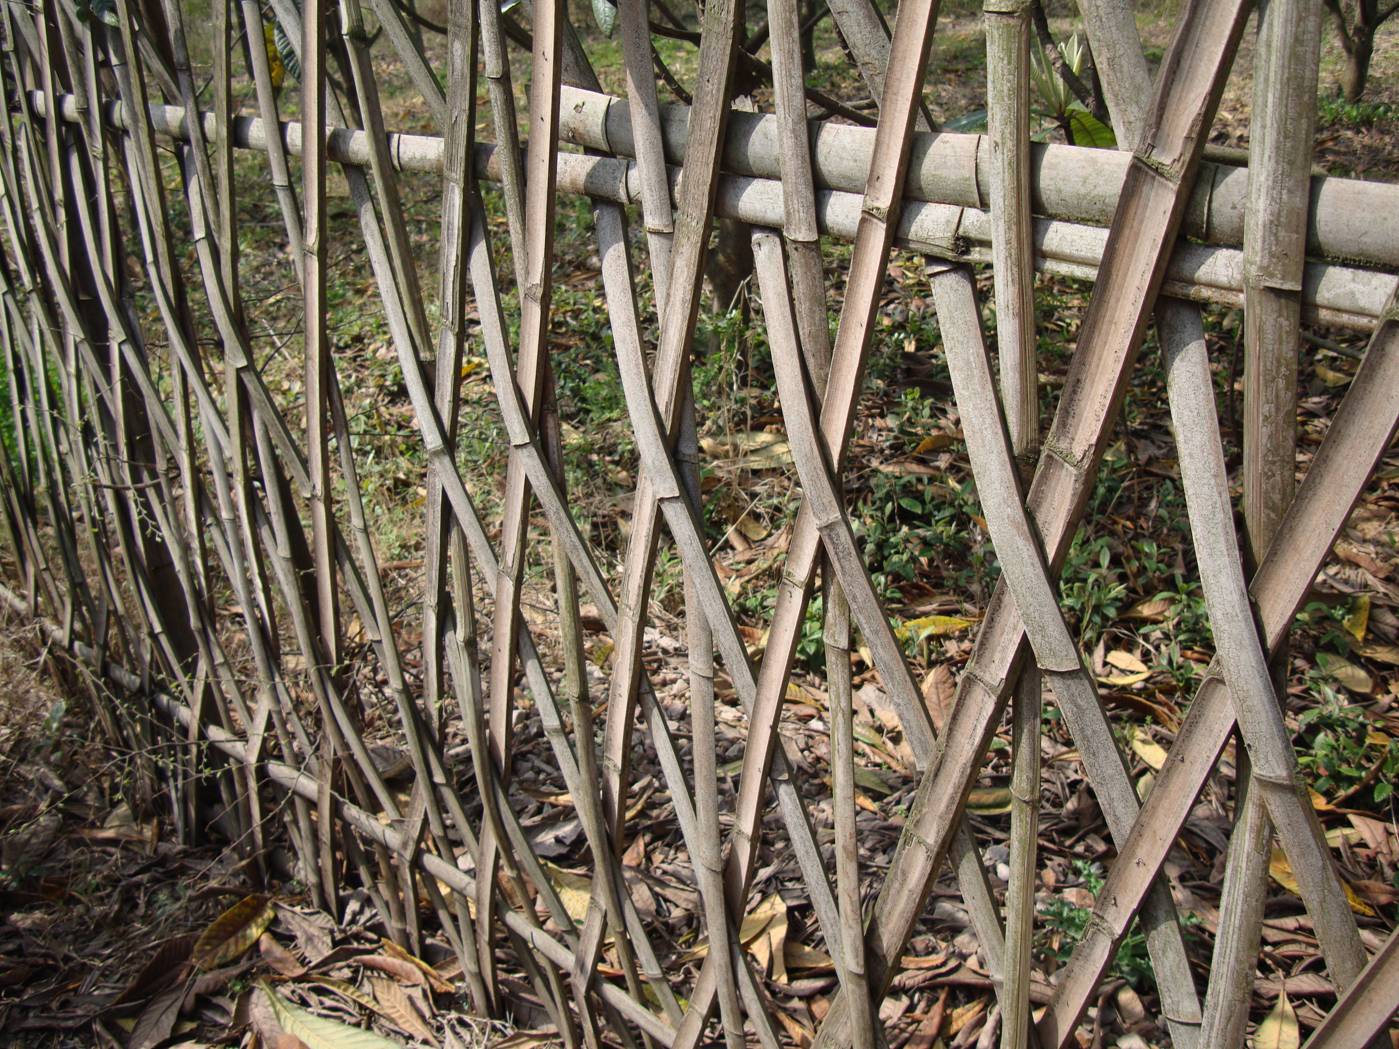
{"x": 1357, "y": 68}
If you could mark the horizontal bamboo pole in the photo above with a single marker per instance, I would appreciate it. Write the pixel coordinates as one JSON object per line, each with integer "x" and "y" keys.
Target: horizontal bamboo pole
{"x": 1332, "y": 293}
{"x": 293, "y": 780}
{"x": 1351, "y": 220}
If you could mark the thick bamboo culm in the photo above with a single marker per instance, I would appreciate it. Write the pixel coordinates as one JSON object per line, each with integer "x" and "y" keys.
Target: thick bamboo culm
{"x": 205, "y": 544}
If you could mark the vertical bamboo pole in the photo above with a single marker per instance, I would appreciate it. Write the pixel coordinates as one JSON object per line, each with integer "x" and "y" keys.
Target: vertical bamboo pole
{"x": 317, "y": 373}
{"x": 1008, "y": 125}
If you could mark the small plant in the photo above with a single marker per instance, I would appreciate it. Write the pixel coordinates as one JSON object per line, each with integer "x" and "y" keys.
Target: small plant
{"x": 1332, "y": 110}
{"x": 1093, "y": 590}
{"x": 1064, "y": 924}
{"x": 1343, "y": 755}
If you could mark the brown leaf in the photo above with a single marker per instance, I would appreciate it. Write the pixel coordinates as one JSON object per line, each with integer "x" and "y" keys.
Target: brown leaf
{"x": 314, "y": 932}
{"x": 940, "y": 693}
{"x": 233, "y": 932}
{"x": 157, "y": 1020}
{"x": 399, "y": 968}
{"x": 277, "y": 956}
{"x": 167, "y": 964}
{"x": 434, "y": 978}
{"x": 396, "y": 1006}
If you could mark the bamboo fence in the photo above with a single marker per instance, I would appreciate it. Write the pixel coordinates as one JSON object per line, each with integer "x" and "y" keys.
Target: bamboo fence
{"x": 155, "y": 481}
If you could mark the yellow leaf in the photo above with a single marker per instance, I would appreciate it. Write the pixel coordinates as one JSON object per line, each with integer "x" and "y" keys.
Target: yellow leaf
{"x": 1124, "y": 660}
{"x": 575, "y": 890}
{"x": 1153, "y": 609}
{"x": 931, "y": 626}
{"x": 1281, "y": 871}
{"x": 1279, "y": 1028}
{"x": 1148, "y": 749}
{"x": 1379, "y": 653}
{"x": 274, "y": 57}
{"x": 752, "y": 449}
{"x": 318, "y": 1032}
{"x": 1345, "y": 672}
{"x": 932, "y": 443}
{"x": 232, "y": 932}
{"x": 1331, "y": 377}
{"x": 763, "y": 934}
{"x": 1359, "y": 618}
{"x": 1123, "y": 680}
{"x": 989, "y": 801}
{"x": 800, "y": 956}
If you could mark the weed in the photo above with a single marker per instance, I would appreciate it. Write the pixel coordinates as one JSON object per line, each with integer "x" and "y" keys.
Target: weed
{"x": 1342, "y": 754}
{"x": 1064, "y": 924}
{"x": 1334, "y": 109}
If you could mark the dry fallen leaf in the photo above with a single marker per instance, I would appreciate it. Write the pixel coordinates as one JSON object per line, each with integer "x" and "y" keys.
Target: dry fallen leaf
{"x": 575, "y": 890}
{"x": 1281, "y": 871}
{"x": 1358, "y": 620}
{"x": 1331, "y": 377}
{"x": 397, "y": 1007}
{"x": 1279, "y": 1028}
{"x": 1133, "y": 669}
{"x": 750, "y": 449}
{"x": 319, "y": 1032}
{"x": 232, "y": 932}
{"x": 989, "y": 801}
{"x": 1345, "y": 672}
{"x": 931, "y": 626}
{"x": 1147, "y": 748}
{"x": 940, "y": 694}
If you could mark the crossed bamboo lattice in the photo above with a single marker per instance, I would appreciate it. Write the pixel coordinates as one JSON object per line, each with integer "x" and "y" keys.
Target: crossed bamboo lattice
{"x": 138, "y": 492}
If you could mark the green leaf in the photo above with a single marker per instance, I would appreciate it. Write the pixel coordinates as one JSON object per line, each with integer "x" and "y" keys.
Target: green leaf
{"x": 1087, "y": 130}
{"x": 969, "y": 123}
{"x": 605, "y": 15}
{"x": 318, "y": 1032}
{"x": 286, "y": 51}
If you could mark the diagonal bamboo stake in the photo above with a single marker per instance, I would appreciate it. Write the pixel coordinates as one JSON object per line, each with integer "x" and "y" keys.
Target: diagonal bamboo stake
{"x": 1207, "y": 495}
{"x": 443, "y": 534}
{"x": 313, "y": 160}
{"x": 535, "y": 294}
{"x": 1357, "y": 439}
{"x": 1281, "y": 132}
{"x": 1367, "y": 1007}
{"x": 803, "y": 249}
{"x": 873, "y": 238}
{"x": 866, "y": 33}
{"x": 1024, "y": 566}
{"x": 1149, "y": 215}
{"x": 788, "y": 358}
{"x": 659, "y": 223}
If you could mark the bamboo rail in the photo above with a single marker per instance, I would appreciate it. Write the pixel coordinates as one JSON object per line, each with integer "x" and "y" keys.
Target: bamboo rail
{"x": 206, "y": 544}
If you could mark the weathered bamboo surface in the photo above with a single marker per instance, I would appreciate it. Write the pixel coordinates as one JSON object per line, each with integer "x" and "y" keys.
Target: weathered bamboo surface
{"x": 207, "y": 544}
